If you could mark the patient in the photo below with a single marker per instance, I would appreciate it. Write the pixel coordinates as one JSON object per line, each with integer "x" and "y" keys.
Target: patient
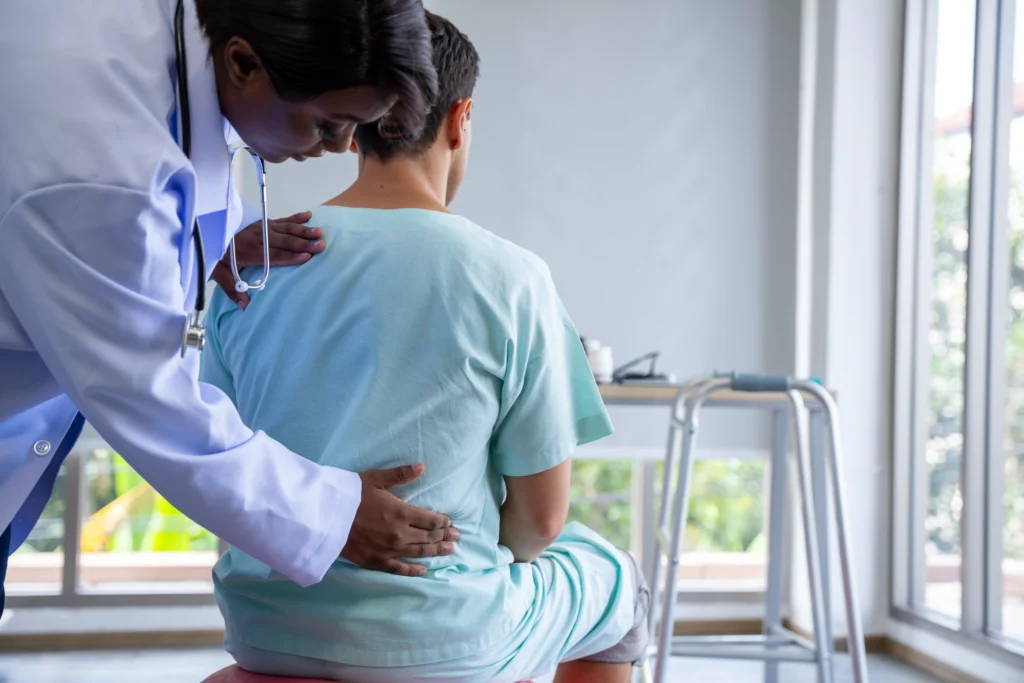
{"x": 419, "y": 336}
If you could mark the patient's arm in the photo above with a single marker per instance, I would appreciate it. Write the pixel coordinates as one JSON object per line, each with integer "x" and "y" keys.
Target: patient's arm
{"x": 534, "y": 511}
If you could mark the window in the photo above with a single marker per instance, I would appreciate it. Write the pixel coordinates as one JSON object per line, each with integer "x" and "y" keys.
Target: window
{"x": 958, "y": 495}
{"x": 950, "y": 179}
{"x": 132, "y": 546}
{"x": 725, "y": 545}
{"x": 1013, "y": 416}
{"x": 132, "y": 539}
{"x": 600, "y": 497}
{"x": 36, "y": 567}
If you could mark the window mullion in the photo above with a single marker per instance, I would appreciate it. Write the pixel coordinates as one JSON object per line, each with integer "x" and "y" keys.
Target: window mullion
{"x": 903, "y": 382}
{"x": 74, "y": 490}
{"x": 977, "y": 360}
{"x": 924, "y": 228}
{"x": 999, "y": 283}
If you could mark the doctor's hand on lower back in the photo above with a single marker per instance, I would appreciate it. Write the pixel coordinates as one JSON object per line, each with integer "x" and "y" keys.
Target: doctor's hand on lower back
{"x": 386, "y": 528}
{"x": 291, "y": 243}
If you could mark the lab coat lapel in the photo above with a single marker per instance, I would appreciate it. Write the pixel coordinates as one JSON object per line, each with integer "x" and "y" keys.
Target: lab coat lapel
{"x": 236, "y": 211}
{"x": 216, "y": 203}
{"x": 209, "y": 144}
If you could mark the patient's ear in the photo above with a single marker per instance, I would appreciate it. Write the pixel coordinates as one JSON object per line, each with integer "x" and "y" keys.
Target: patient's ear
{"x": 353, "y": 147}
{"x": 458, "y": 123}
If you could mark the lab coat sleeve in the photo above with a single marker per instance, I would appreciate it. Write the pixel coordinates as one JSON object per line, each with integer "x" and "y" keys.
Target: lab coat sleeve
{"x": 212, "y": 369}
{"x": 92, "y": 273}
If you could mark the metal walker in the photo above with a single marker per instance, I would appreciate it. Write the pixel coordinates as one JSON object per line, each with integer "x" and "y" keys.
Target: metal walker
{"x": 813, "y": 413}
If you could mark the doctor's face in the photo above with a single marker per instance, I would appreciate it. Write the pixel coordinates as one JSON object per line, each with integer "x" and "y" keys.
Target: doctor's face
{"x": 279, "y": 129}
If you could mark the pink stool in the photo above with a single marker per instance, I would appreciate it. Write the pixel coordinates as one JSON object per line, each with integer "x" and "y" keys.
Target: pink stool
{"x": 235, "y": 674}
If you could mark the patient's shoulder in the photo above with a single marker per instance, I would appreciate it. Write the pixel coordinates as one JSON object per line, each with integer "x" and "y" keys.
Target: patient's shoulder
{"x": 479, "y": 253}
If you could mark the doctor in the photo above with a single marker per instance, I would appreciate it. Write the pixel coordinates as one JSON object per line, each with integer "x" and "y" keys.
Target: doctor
{"x": 97, "y": 261}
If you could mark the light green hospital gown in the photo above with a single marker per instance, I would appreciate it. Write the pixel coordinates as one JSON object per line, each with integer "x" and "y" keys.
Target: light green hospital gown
{"x": 417, "y": 336}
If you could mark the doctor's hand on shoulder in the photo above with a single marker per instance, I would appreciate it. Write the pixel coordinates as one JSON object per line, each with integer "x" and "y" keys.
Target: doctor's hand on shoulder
{"x": 292, "y": 243}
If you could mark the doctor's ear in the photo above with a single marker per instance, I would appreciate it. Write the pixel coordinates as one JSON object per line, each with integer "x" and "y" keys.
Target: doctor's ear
{"x": 241, "y": 62}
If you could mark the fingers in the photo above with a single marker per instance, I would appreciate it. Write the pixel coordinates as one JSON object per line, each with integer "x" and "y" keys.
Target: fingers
{"x": 418, "y": 537}
{"x": 429, "y": 550}
{"x": 425, "y": 519}
{"x": 279, "y": 257}
{"x": 300, "y": 217}
{"x": 282, "y": 229}
{"x": 396, "y": 476}
{"x": 226, "y": 281}
{"x": 403, "y": 569}
{"x": 291, "y": 243}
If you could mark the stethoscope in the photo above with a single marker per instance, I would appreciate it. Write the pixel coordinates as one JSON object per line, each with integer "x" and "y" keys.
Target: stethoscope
{"x": 194, "y": 334}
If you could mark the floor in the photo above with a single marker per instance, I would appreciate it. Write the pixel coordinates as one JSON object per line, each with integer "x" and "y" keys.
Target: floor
{"x": 191, "y": 666}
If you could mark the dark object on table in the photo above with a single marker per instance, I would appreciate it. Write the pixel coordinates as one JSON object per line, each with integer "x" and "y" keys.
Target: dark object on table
{"x": 624, "y": 374}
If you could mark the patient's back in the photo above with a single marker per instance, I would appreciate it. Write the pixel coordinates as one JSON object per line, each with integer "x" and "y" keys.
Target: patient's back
{"x": 407, "y": 340}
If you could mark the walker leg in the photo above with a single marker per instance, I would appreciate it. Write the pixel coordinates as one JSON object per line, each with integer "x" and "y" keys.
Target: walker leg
{"x": 679, "y": 508}
{"x": 674, "y": 438}
{"x": 855, "y": 630}
{"x": 776, "y": 536}
{"x": 810, "y": 535}
{"x": 819, "y": 482}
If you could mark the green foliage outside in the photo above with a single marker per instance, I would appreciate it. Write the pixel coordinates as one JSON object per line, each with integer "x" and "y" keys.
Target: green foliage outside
{"x": 151, "y": 525}
{"x": 599, "y": 497}
{"x": 947, "y": 342}
{"x": 154, "y": 525}
{"x": 1013, "y": 497}
{"x": 726, "y": 503}
{"x": 946, "y": 338}
{"x": 727, "y": 506}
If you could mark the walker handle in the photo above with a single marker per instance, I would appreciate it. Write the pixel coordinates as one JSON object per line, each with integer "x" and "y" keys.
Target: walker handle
{"x": 760, "y": 383}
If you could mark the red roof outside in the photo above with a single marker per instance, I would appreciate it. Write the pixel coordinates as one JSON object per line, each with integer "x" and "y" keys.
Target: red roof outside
{"x": 960, "y": 120}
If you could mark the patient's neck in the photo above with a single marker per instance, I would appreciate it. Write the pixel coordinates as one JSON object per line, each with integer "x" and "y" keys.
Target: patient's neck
{"x": 401, "y": 183}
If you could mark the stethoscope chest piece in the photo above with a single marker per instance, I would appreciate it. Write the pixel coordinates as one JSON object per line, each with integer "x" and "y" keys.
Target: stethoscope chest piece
{"x": 194, "y": 334}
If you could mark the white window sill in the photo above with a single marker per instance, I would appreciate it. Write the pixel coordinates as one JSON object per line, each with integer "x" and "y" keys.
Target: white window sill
{"x": 66, "y": 620}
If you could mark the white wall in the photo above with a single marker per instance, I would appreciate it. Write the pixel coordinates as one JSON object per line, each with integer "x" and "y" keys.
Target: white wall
{"x": 861, "y": 271}
{"x": 646, "y": 150}
{"x": 857, "y": 173}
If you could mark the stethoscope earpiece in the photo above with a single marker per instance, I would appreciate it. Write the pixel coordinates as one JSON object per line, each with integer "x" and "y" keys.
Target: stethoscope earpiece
{"x": 241, "y": 286}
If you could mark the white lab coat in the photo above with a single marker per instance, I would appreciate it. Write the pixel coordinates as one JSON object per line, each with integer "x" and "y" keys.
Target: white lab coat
{"x": 96, "y": 277}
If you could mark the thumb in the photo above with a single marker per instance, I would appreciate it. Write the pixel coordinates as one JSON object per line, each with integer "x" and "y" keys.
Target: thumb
{"x": 395, "y": 476}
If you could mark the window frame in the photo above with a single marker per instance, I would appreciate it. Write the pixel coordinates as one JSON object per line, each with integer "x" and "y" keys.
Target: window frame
{"x": 981, "y": 521}
{"x": 72, "y": 592}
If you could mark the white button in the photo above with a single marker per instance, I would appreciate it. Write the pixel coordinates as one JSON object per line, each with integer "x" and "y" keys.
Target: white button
{"x": 41, "y": 447}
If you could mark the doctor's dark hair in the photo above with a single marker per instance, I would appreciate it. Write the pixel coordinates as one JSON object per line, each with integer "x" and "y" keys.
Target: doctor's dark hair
{"x": 310, "y": 47}
{"x": 458, "y": 67}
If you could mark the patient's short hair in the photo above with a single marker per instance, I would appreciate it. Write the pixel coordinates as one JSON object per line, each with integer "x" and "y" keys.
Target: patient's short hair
{"x": 458, "y": 66}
